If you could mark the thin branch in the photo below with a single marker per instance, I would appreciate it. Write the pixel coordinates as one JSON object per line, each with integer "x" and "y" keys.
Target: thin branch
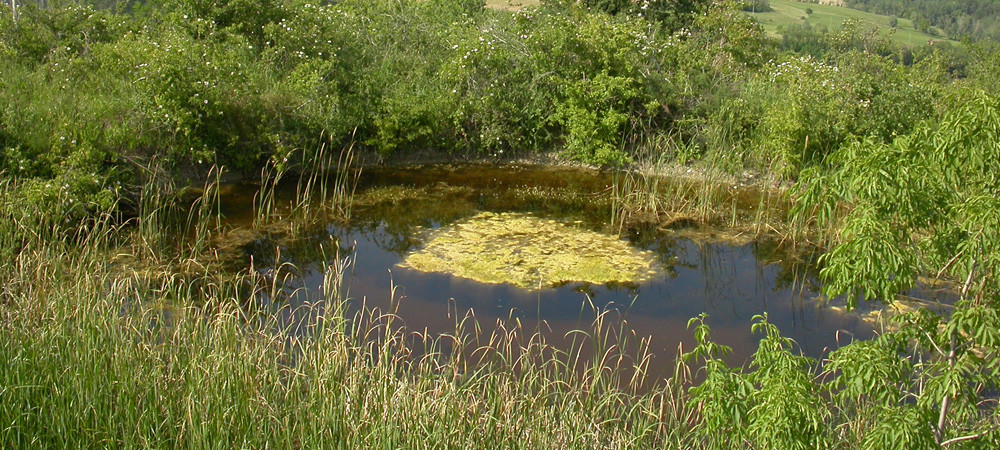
{"x": 970, "y": 437}
{"x": 949, "y": 264}
{"x": 931, "y": 340}
{"x": 942, "y": 417}
{"x": 968, "y": 280}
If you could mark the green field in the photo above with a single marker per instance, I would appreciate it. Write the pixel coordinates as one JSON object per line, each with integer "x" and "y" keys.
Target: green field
{"x": 785, "y": 12}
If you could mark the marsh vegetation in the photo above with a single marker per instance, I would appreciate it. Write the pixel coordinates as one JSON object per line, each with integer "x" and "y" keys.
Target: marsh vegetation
{"x": 194, "y": 197}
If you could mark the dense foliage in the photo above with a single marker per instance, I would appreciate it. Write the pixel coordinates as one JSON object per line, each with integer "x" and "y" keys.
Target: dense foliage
{"x": 894, "y": 151}
{"x": 237, "y": 83}
{"x": 924, "y": 203}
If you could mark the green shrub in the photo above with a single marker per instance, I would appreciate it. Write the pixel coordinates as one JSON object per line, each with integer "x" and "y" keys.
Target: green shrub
{"x": 776, "y": 405}
{"x": 67, "y": 29}
{"x": 593, "y": 115}
{"x": 801, "y": 110}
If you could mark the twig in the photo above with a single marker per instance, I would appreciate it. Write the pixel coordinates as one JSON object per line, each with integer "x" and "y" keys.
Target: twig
{"x": 970, "y": 437}
{"x": 951, "y": 360}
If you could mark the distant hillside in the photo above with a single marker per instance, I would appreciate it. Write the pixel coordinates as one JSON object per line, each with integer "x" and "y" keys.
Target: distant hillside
{"x": 784, "y": 13}
{"x": 976, "y": 19}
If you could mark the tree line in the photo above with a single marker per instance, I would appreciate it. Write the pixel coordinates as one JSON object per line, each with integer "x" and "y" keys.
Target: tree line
{"x": 974, "y": 19}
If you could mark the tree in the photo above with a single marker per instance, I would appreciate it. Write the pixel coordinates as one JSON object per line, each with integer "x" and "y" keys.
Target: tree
{"x": 924, "y": 204}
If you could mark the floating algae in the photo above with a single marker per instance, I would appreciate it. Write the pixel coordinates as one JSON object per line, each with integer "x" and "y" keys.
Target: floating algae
{"x": 528, "y": 251}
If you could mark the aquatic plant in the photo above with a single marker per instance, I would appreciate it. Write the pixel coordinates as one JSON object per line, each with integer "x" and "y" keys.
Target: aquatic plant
{"x": 668, "y": 196}
{"x": 96, "y": 351}
{"x": 324, "y": 190}
{"x": 529, "y": 251}
{"x": 265, "y": 201}
{"x": 103, "y": 343}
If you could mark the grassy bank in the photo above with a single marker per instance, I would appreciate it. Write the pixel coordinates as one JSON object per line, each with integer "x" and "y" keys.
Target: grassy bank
{"x": 117, "y": 334}
{"x": 110, "y": 360}
{"x": 105, "y": 344}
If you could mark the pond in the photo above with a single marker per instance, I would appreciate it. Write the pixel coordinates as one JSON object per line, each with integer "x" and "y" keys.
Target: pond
{"x": 401, "y": 215}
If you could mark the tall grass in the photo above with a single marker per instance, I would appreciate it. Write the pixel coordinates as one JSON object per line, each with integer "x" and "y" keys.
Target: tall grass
{"x": 345, "y": 183}
{"x": 95, "y": 352}
{"x": 653, "y": 192}
{"x": 265, "y": 201}
{"x": 324, "y": 191}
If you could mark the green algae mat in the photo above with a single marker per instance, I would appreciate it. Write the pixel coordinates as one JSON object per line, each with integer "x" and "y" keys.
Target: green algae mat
{"x": 528, "y": 251}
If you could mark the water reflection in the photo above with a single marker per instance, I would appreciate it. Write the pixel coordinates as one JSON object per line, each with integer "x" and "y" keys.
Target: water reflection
{"x": 729, "y": 281}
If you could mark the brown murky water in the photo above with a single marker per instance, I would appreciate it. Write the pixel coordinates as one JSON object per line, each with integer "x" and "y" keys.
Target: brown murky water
{"x": 395, "y": 208}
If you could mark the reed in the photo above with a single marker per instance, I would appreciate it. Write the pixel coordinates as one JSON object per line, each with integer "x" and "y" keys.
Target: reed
{"x": 324, "y": 191}
{"x": 97, "y": 353}
{"x": 659, "y": 192}
{"x": 345, "y": 184}
{"x": 265, "y": 201}
{"x": 204, "y": 216}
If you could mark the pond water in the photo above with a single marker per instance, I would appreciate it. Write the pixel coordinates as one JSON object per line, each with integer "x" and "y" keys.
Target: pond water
{"x": 397, "y": 209}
